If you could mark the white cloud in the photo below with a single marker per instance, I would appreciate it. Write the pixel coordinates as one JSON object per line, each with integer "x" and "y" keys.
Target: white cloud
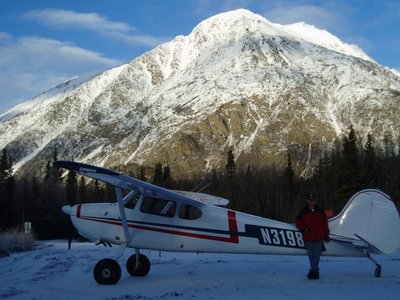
{"x": 65, "y": 19}
{"x": 31, "y": 65}
{"x": 96, "y": 23}
{"x": 5, "y": 37}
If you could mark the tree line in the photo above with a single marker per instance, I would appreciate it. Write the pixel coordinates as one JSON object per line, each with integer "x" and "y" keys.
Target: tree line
{"x": 271, "y": 192}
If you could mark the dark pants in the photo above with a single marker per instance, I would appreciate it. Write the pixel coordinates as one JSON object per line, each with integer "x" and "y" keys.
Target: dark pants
{"x": 314, "y": 252}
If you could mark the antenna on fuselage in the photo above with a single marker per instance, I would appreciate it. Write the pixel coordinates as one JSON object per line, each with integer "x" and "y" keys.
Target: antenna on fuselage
{"x": 198, "y": 188}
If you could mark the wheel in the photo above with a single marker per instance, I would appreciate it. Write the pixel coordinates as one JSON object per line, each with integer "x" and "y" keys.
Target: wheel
{"x": 143, "y": 267}
{"x": 107, "y": 271}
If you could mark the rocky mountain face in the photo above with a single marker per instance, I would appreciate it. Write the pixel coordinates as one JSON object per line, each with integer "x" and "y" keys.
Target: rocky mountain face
{"x": 236, "y": 82}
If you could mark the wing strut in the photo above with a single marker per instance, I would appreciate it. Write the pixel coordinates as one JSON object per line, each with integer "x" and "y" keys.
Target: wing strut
{"x": 122, "y": 201}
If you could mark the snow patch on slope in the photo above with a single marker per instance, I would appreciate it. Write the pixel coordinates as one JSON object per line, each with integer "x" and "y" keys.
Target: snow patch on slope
{"x": 325, "y": 39}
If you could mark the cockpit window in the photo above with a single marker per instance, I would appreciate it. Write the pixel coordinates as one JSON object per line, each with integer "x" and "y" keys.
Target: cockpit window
{"x": 160, "y": 207}
{"x": 132, "y": 202}
{"x": 189, "y": 212}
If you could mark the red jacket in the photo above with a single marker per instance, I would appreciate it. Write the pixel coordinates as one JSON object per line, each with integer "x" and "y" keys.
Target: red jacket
{"x": 313, "y": 224}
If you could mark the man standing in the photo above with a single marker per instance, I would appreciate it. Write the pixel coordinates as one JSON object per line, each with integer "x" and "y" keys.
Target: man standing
{"x": 313, "y": 223}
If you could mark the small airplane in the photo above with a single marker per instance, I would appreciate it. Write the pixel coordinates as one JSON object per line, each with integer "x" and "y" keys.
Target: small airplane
{"x": 146, "y": 216}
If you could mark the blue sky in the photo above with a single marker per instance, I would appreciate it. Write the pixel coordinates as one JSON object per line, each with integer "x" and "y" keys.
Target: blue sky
{"x": 43, "y": 42}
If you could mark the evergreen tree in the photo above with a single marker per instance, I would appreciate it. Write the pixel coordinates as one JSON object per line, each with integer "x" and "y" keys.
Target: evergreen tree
{"x": 231, "y": 183}
{"x": 82, "y": 189}
{"x": 34, "y": 213}
{"x": 71, "y": 188}
{"x": 142, "y": 175}
{"x": 9, "y": 211}
{"x": 230, "y": 165}
{"x": 289, "y": 190}
{"x": 167, "y": 179}
{"x": 53, "y": 174}
{"x": 322, "y": 182}
{"x": 110, "y": 193}
{"x": 158, "y": 175}
{"x": 97, "y": 191}
{"x": 48, "y": 170}
{"x": 214, "y": 183}
{"x": 388, "y": 164}
{"x": 388, "y": 144}
{"x": 51, "y": 222}
{"x": 369, "y": 164}
{"x": 349, "y": 174}
{"x": 3, "y": 167}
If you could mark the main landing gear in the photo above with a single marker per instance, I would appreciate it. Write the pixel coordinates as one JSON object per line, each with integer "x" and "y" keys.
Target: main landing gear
{"x": 108, "y": 271}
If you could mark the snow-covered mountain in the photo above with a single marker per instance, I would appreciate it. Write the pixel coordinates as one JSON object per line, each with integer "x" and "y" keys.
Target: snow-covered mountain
{"x": 237, "y": 81}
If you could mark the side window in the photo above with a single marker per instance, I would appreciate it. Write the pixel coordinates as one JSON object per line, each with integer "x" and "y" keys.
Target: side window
{"x": 189, "y": 212}
{"x": 159, "y": 207}
{"x": 132, "y": 203}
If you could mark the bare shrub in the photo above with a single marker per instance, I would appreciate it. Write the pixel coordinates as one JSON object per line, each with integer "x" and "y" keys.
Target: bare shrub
{"x": 15, "y": 241}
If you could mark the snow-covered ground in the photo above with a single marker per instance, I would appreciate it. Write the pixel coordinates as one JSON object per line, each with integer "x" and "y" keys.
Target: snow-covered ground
{"x": 52, "y": 272}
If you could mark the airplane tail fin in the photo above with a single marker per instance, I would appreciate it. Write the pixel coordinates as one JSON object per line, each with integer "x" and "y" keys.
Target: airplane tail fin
{"x": 371, "y": 220}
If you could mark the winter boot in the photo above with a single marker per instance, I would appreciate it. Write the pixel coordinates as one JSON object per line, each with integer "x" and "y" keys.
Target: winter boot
{"x": 313, "y": 275}
{"x": 316, "y": 275}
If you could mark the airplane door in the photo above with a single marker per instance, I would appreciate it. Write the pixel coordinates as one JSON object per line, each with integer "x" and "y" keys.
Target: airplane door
{"x": 154, "y": 220}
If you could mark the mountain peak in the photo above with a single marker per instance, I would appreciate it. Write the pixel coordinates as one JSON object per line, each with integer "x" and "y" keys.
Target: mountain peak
{"x": 241, "y": 20}
{"x": 237, "y": 81}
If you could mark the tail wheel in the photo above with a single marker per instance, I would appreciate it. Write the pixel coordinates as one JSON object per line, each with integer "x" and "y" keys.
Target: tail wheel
{"x": 107, "y": 271}
{"x": 141, "y": 269}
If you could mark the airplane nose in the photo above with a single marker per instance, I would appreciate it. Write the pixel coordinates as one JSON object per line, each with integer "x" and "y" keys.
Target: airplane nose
{"x": 67, "y": 209}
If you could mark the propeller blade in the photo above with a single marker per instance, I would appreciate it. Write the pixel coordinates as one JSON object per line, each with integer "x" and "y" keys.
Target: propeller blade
{"x": 67, "y": 210}
{"x": 69, "y": 242}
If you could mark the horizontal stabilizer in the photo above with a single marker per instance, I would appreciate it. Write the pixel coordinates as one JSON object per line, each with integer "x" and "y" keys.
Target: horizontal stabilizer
{"x": 371, "y": 248}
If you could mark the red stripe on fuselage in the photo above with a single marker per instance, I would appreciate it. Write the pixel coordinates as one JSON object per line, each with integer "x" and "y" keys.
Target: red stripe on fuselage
{"x": 233, "y": 229}
{"x": 78, "y": 211}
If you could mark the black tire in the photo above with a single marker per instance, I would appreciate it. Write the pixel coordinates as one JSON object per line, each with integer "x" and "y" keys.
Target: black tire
{"x": 378, "y": 271}
{"x": 107, "y": 271}
{"x": 143, "y": 267}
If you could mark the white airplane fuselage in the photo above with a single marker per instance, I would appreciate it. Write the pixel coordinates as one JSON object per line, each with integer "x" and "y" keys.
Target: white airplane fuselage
{"x": 217, "y": 230}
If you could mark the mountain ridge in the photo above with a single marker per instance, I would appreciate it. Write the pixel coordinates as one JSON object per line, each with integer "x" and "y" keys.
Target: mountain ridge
{"x": 237, "y": 81}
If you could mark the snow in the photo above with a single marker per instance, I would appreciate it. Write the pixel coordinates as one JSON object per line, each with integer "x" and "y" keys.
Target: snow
{"x": 297, "y": 31}
{"x": 229, "y": 58}
{"x": 52, "y": 272}
{"x": 325, "y": 39}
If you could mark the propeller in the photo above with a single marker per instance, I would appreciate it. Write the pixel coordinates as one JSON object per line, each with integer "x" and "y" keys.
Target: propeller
{"x": 70, "y": 231}
{"x": 71, "y": 187}
{"x": 67, "y": 210}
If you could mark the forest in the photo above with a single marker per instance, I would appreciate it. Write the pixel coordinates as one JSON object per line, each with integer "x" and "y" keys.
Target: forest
{"x": 271, "y": 192}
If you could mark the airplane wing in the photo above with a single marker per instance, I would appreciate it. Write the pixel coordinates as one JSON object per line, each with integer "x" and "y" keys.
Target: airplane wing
{"x": 126, "y": 182}
{"x": 121, "y": 181}
{"x": 205, "y": 198}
